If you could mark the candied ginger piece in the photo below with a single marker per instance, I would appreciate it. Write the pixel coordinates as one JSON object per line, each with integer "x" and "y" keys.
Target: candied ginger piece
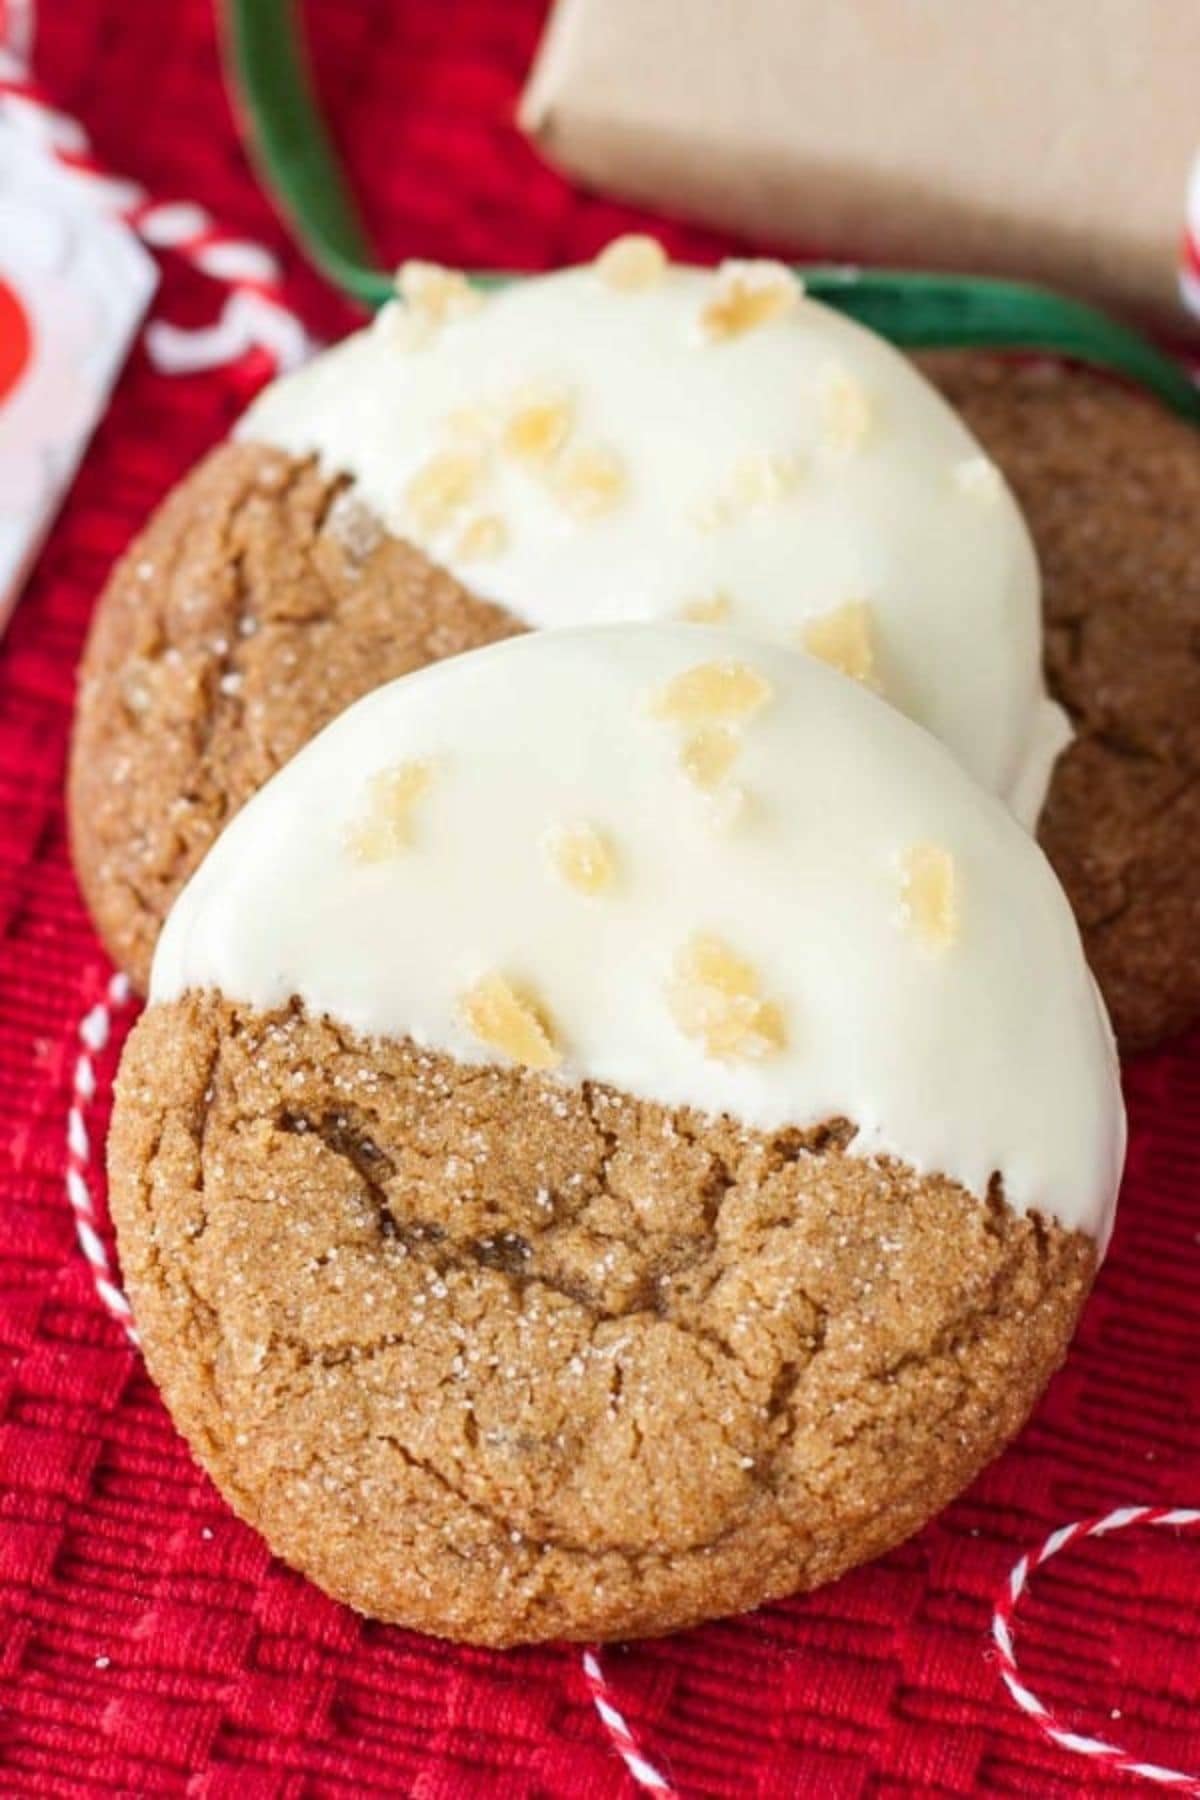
{"x": 484, "y": 535}
{"x": 583, "y": 857}
{"x": 711, "y": 691}
{"x": 470, "y": 425}
{"x": 758, "y": 479}
{"x": 590, "y": 481}
{"x": 709, "y": 609}
{"x": 386, "y": 826}
{"x": 708, "y": 754}
{"x": 632, "y": 262}
{"x": 713, "y": 995}
{"x": 763, "y": 478}
{"x": 538, "y": 424}
{"x": 843, "y": 638}
{"x": 428, "y": 296}
{"x": 397, "y": 326}
{"x": 746, "y": 295}
{"x": 729, "y": 806}
{"x": 510, "y": 1023}
{"x": 929, "y": 895}
{"x": 440, "y": 487}
{"x": 437, "y": 293}
{"x": 847, "y": 413}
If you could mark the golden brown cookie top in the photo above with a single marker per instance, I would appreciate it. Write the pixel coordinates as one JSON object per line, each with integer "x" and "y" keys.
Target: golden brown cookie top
{"x": 506, "y": 1358}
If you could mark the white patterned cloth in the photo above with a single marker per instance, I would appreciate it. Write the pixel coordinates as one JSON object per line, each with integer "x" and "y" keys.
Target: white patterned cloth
{"x": 74, "y": 286}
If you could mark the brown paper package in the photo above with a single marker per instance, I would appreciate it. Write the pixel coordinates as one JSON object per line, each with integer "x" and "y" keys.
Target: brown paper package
{"x": 1049, "y": 139}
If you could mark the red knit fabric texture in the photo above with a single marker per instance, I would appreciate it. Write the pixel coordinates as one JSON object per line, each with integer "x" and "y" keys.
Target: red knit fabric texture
{"x": 149, "y": 1644}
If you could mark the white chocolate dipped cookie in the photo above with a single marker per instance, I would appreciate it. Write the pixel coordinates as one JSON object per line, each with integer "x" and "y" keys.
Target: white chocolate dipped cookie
{"x": 630, "y": 440}
{"x": 622, "y": 1130}
{"x": 637, "y": 440}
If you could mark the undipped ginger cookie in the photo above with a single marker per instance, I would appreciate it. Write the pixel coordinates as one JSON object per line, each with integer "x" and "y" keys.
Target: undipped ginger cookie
{"x": 627, "y": 441}
{"x": 622, "y": 1131}
{"x": 1110, "y": 485}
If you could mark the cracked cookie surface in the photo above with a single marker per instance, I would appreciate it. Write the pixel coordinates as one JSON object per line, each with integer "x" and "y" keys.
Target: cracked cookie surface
{"x": 505, "y": 1359}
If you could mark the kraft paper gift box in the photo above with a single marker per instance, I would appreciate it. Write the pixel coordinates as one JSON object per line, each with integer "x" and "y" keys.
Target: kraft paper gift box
{"x": 1049, "y": 139}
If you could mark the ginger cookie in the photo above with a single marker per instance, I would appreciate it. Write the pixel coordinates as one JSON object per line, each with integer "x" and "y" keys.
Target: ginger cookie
{"x": 629, "y": 440}
{"x": 1110, "y": 485}
{"x": 622, "y": 1131}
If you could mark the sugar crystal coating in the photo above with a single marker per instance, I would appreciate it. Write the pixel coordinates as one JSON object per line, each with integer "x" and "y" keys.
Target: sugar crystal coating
{"x": 714, "y": 998}
{"x": 355, "y": 528}
{"x": 509, "y": 1022}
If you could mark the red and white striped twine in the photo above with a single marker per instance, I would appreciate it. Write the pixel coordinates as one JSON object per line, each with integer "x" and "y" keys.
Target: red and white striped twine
{"x": 95, "y": 1029}
{"x": 620, "y": 1735}
{"x": 255, "y": 315}
{"x": 1097, "y": 1750}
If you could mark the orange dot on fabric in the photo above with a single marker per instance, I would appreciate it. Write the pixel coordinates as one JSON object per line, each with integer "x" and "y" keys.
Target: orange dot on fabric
{"x": 16, "y": 340}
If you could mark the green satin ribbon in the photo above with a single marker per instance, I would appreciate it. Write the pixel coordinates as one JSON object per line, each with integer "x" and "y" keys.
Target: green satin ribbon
{"x": 292, "y": 149}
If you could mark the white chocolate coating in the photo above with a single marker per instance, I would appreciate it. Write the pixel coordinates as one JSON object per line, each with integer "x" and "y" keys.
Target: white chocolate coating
{"x": 986, "y": 1049}
{"x": 790, "y": 469}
